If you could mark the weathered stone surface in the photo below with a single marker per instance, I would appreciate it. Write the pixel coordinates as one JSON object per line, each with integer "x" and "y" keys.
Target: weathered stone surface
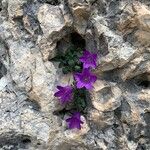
{"x": 138, "y": 18}
{"x": 120, "y": 52}
{"x": 54, "y": 20}
{"x": 105, "y": 96}
{"x": 81, "y": 13}
{"x": 50, "y": 17}
{"x": 117, "y": 116}
{"x": 15, "y": 8}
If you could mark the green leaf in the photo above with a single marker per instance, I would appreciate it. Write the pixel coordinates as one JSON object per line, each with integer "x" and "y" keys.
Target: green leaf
{"x": 79, "y": 54}
{"x": 63, "y": 62}
{"x": 71, "y": 62}
{"x": 77, "y": 68}
{"x": 80, "y": 103}
{"x": 79, "y": 49}
{"x": 83, "y": 104}
{"x": 71, "y": 48}
{"x": 65, "y": 70}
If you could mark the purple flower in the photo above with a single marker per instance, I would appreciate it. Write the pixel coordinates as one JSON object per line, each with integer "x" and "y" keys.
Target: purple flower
{"x": 88, "y": 59}
{"x": 85, "y": 79}
{"x": 74, "y": 121}
{"x": 64, "y": 93}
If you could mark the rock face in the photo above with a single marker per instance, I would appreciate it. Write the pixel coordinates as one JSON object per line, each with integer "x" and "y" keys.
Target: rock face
{"x": 118, "y": 111}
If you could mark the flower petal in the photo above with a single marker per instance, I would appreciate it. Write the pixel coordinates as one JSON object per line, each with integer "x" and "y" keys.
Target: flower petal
{"x": 94, "y": 65}
{"x": 89, "y": 86}
{"x": 77, "y": 76}
{"x": 64, "y": 94}
{"x": 66, "y": 98}
{"x": 93, "y": 78}
{"x": 58, "y": 94}
{"x": 82, "y": 59}
{"x": 78, "y": 126}
{"x": 77, "y": 115}
{"x": 68, "y": 120}
{"x": 86, "y": 52}
{"x": 86, "y": 71}
{"x": 80, "y": 85}
{"x": 85, "y": 65}
{"x": 95, "y": 56}
{"x": 88, "y": 59}
{"x": 72, "y": 125}
{"x": 74, "y": 121}
{"x": 60, "y": 87}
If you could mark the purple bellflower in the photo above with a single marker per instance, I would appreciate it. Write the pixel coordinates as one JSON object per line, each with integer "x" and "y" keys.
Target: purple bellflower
{"x": 88, "y": 59}
{"x": 85, "y": 79}
{"x": 64, "y": 94}
{"x": 74, "y": 121}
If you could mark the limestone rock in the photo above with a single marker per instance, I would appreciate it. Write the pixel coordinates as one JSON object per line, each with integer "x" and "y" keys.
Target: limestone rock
{"x": 119, "y": 52}
{"x": 53, "y": 20}
{"x": 15, "y": 8}
{"x": 42, "y": 84}
{"x": 117, "y": 113}
{"x": 50, "y": 17}
{"x": 81, "y": 13}
{"x": 105, "y": 97}
{"x": 138, "y": 18}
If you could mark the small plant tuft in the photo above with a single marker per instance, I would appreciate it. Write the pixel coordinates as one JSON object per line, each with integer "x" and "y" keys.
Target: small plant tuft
{"x": 69, "y": 61}
{"x": 79, "y": 63}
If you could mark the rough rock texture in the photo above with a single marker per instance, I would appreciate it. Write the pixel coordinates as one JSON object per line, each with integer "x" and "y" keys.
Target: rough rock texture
{"x": 118, "y": 111}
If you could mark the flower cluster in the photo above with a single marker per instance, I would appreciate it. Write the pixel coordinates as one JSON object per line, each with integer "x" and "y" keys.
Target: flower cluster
{"x": 84, "y": 79}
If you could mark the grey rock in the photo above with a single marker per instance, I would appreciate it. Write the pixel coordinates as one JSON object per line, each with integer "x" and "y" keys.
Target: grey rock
{"x": 32, "y": 32}
{"x": 81, "y": 13}
{"x": 54, "y": 20}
